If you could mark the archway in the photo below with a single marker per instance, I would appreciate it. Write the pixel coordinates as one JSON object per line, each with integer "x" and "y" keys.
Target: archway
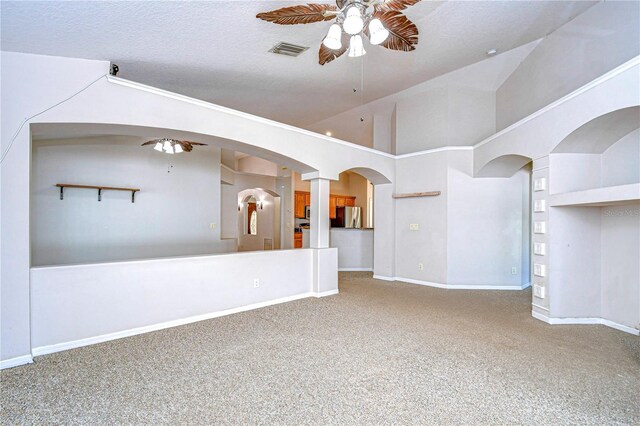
{"x": 258, "y": 220}
{"x": 504, "y": 166}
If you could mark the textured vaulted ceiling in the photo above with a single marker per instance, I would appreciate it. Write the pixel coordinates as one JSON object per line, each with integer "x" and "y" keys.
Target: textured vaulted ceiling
{"x": 218, "y": 50}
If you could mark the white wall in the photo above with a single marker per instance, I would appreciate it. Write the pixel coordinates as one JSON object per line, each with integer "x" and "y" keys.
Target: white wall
{"x": 428, "y": 245}
{"x": 23, "y": 96}
{"x": 574, "y": 262}
{"x": 444, "y": 116}
{"x": 596, "y": 41}
{"x": 429, "y": 114}
{"x": 257, "y": 166}
{"x": 355, "y": 248}
{"x": 620, "y": 164}
{"x": 488, "y": 222}
{"x": 470, "y": 235}
{"x": 171, "y": 215}
{"x": 75, "y": 305}
{"x": 620, "y": 266}
{"x": 284, "y": 187}
{"x": 594, "y": 270}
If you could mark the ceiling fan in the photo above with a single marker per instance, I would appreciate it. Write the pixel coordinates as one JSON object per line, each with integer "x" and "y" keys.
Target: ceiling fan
{"x": 172, "y": 146}
{"x": 380, "y": 20}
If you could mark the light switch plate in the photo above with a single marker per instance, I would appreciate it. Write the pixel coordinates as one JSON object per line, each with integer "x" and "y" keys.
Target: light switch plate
{"x": 540, "y": 227}
{"x": 414, "y": 226}
{"x": 539, "y": 206}
{"x": 540, "y": 184}
{"x": 539, "y": 270}
{"x": 540, "y": 249}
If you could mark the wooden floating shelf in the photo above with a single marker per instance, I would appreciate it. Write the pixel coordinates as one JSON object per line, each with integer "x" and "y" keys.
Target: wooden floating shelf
{"x": 62, "y": 186}
{"x": 417, "y": 194}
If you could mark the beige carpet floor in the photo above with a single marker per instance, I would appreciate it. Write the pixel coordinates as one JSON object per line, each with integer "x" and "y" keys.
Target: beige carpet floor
{"x": 377, "y": 353}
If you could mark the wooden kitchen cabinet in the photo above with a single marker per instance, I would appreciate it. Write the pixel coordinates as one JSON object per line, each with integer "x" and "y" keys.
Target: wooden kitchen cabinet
{"x": 303, "y": 198}
{"x": 300, "y": 202}
{"x": 297, "y": 240}
{"x": 332, "y": 206}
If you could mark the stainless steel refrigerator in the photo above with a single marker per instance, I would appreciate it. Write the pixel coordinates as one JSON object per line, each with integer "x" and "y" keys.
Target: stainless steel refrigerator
{"x": 347, "y": 217}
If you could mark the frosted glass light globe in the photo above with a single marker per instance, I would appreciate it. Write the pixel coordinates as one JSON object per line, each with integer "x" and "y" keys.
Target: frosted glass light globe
{"x": 333, "y": 39}
{"x": 356, "y": 48}
{"x": 353, "y": 22}
{"x": 377, "y": 32}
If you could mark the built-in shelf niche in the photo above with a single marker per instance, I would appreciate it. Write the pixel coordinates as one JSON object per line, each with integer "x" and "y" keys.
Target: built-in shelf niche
{"x": 597, "y": 160}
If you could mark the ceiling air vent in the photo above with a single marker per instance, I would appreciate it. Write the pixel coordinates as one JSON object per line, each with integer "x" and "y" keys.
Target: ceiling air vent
{"x": 288, "y": 49}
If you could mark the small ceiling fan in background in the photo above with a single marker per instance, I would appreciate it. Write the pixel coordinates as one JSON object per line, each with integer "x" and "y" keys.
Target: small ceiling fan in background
{"x": 380, "y": 20}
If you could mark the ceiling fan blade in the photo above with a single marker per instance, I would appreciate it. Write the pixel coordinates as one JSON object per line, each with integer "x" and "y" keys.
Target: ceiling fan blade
{"x": 195, "y": 143}
{"x": 326, "y": 55}
{"x": 395, "y": 5}
{"x": 301, "y": 14}
{"x": 403, "y": 34}
{"x": 153, "y": 142}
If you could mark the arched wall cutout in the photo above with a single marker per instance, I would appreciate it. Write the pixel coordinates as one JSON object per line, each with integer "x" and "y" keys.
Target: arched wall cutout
{"x": 595, "y": 136}
{"x": 374, "y": 176}
{"x": 84, "y": 130}
{"x": 504, "y": 166}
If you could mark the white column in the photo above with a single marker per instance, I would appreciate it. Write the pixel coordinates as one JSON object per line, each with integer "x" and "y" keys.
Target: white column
{"x": 319, "y": 232}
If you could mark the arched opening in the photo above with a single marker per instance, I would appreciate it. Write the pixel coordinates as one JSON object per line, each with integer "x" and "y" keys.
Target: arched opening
{"x": 186, "y": 204}
{"x": 258, "y": 220}
{"x": 504, "y": 166}
{"x": 597, "y": 135}
{"x": 351, "y": 216}
{"x": 601, "y": 153}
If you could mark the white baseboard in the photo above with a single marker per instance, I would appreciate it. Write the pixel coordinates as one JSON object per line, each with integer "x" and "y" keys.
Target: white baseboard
{"x": 454, "y": 286}
{"x": 355, "y": 269}
{"x": 14, "y": 362}
{"x": 540, "y": 307}
{"x": 58, "y": 347}
{"x": 382, "y": 277}
{"x": 588, "y": 321}
{"x": 326, "y": 293}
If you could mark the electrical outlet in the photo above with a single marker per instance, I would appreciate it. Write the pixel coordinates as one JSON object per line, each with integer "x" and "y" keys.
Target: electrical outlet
{"x": 212, "y": 226}
{"x": 514, "y": 270}
{"x": 414, "y": 226}
{"x": 421, "y": 266}
{"x": 256, "y": 282}
{"x": 538, "y": 291}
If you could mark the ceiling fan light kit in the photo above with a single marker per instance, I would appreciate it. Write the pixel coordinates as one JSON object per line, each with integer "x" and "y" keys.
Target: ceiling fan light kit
{"x": 172, "y": 146}
{"x": 381, "y": 21}
{"x": 377, "y": 32}
{"x": 353, "y": 22}
{"x": 356, "y": 47}
{"x": 333, "y": 39}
